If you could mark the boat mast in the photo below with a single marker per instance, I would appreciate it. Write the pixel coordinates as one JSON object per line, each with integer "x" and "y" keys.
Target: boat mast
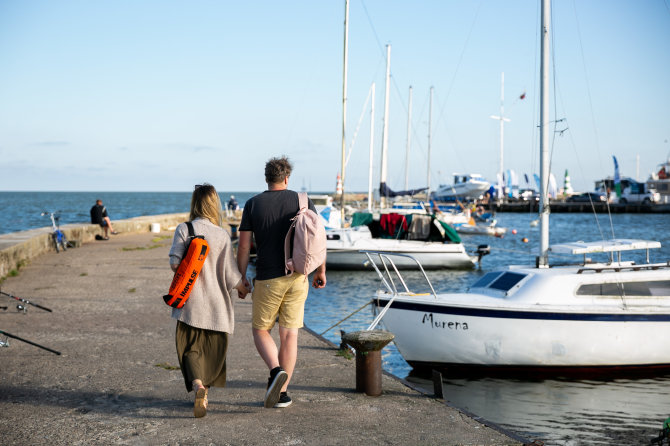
{"x": 344, "y": 102}
{"x": 430, "y": 139}
{"x": 502, "y": 120}
{"x": 542, "y": 260}
{"x": 385, "y": 134}
{"x": 409, "y": 138}
{"x": 372, "y": 137}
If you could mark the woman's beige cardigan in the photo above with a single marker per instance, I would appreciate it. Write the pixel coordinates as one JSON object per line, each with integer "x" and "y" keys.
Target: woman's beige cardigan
{"x": 210, "y": 305}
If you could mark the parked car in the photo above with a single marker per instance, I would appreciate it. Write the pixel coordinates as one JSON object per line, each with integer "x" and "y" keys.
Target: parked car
{"x": 588, "y": 197}
{"x": 637, "y": 193}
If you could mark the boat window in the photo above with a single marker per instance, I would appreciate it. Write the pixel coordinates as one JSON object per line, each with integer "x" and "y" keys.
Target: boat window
{"x": 654, "y": 288}
{"x": 484, "y": 281}
{"x": 507, "y": 281}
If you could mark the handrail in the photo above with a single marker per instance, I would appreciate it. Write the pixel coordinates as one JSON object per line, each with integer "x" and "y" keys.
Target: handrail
{"x": 619, "y": 268}
{"x": 383, "y": 257}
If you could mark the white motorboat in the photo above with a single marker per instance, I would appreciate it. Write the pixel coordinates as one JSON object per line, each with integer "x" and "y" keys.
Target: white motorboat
{"x": 345, "y": 245}
{"x": 465, "y": 187}
{"x": 659, "y": 180}
{"x": 480, "y": 229}
{"x": 606, "y": 315}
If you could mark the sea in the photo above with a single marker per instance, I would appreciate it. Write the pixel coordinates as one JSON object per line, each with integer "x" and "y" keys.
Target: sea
{"x": 556, "y": 411}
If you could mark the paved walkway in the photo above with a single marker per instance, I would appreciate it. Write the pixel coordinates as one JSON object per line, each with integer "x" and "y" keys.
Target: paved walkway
{"x": 115, "y": 382}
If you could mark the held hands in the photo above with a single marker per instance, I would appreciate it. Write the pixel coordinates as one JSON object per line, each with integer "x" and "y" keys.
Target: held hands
{"x": 243, "y": 288}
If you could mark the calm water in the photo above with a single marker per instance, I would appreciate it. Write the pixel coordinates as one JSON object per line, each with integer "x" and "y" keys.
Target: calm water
{"x": 557, "y": 411}
{"x": 21, "y": 210}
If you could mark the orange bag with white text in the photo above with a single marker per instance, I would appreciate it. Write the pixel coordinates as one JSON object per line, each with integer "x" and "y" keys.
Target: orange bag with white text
{"x": 188, "y": 271}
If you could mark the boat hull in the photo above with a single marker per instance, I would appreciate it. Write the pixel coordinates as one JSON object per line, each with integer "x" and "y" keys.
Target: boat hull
{"x": 475, "y": 337}
{"x": 352, "y": 259}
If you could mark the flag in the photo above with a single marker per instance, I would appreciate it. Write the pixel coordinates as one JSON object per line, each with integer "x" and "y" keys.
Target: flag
{"x": 617, "y": 179}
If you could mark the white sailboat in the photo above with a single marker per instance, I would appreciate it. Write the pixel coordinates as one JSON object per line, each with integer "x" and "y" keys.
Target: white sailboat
{"x": 607, "y": 315}
{"x": 344, "y": 245}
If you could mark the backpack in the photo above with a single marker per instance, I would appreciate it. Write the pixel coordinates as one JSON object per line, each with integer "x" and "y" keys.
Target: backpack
{"x": 307, "y": 236}
{"x": 189, "y": 269}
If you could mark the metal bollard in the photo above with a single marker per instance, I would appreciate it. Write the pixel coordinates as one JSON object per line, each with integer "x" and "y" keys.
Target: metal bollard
{"x": 368, "y": 346}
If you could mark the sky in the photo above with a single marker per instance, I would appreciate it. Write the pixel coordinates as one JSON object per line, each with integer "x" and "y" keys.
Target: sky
{"x": 160, "y": 95}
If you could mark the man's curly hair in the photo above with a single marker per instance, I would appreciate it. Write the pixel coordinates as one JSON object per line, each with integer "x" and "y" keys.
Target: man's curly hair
{"x": 277, "y": 169}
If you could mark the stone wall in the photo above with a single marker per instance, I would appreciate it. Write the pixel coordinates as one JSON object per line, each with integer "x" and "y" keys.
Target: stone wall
{"x": 18, "y": 248}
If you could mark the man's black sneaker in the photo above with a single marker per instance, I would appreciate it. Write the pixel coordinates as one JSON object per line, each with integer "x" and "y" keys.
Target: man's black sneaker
{"x": 284, "y": 400}
{"x": 277, "y": 379}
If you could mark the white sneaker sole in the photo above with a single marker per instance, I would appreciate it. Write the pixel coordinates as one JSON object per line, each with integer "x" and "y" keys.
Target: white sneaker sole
{"x": 281, "y": 405}
{"x": 274, "y": 391}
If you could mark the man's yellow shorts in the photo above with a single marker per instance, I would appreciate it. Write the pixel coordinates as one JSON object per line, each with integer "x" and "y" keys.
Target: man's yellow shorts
{"x": 284, "y": 296}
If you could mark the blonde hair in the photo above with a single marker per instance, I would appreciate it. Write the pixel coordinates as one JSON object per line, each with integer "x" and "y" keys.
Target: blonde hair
{"x": 205, "y": 203}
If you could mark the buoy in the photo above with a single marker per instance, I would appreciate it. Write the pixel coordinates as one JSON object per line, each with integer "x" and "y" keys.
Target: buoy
{"x": 513, "y": 231}
{"x": 525, "y": 240}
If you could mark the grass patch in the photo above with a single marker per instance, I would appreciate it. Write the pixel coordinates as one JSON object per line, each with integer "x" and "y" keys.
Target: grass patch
{"x": 139, "y": 248}
{"x": 166, "y": 366}
{"x": 132, "y": 290}
{"x": 345, "y": 353}
{"x": 13, "y": 273}
{"x": 83, "y": 274}
{"x": 160, "y": 238}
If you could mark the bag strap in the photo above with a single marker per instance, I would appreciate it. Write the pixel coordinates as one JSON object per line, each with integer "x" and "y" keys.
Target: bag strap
{"x": 191, "y": 231}
{"x": 303, "y": 200}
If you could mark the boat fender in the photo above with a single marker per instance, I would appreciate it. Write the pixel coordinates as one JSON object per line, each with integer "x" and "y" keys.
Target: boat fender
{"x": 188, "y": 270}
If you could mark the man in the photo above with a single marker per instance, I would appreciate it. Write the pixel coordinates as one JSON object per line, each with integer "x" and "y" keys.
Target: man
{"x": 232, "y": 207}
{"x": 99, "y": 217}
{"x": 268, "y": 217}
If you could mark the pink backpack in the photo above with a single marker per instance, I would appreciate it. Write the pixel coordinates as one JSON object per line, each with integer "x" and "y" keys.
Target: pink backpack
{"x": 309, "y": 240}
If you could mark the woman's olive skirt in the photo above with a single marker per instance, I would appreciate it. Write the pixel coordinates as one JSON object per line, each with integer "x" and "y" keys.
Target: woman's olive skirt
{"x": 202, "y": 355}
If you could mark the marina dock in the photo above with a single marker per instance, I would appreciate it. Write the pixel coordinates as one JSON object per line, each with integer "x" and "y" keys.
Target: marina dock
{"x": 117, "y": 380}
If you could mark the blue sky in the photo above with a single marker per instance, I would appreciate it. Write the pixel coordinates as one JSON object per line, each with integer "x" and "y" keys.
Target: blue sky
{"x": 160, "y": 95}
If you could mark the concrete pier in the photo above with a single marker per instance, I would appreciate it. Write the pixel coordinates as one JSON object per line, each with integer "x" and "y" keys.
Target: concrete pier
{"x": 117, "y": 380}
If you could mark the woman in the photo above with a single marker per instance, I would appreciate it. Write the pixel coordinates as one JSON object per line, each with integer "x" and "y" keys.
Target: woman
{"x": 204, "y": 322}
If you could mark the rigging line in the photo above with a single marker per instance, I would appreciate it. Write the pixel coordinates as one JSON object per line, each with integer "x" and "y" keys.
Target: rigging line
{"x": 374, "y": 31}
{"x": 553, "y": 56}
{"x": 586, "y": 78}
{"x": 448, "y": 133}
{"x": 593, "y": 118}
{"x": 458, "y": 64}
{"x": 534, "y": 129}
{"x": 358, "y": 126}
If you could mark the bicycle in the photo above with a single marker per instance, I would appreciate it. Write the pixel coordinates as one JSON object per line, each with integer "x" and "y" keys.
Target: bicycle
{"x": 58, "y": 236}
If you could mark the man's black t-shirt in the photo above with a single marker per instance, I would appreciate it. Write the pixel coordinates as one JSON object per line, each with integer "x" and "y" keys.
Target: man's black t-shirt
{"x": 98, "y": 212}
{"x": 268, "y": 215}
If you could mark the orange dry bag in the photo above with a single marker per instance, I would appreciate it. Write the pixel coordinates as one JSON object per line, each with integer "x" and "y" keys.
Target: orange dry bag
{"x": 188, "y": 270}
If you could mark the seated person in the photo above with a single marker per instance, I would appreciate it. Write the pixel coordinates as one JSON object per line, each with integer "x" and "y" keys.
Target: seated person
{"x": 99, "y": 217}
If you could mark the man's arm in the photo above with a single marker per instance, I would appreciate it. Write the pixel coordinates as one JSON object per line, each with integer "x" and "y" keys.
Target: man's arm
{"x": 243, "y": 250}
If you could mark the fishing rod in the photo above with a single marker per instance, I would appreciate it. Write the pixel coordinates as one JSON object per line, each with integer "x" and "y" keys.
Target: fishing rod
{"x": 26, "y": 301}
{"x": 6, "y": 342}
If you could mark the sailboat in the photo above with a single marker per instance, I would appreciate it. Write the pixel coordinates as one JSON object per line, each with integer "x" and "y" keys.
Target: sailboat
{"x": 606, "y": 316}
{"x": 344, "y": 245}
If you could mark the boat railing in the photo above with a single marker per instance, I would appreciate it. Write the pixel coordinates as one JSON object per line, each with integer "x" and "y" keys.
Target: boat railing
{"x": 619, "y": 267}
{"x": 387, "y": 278}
